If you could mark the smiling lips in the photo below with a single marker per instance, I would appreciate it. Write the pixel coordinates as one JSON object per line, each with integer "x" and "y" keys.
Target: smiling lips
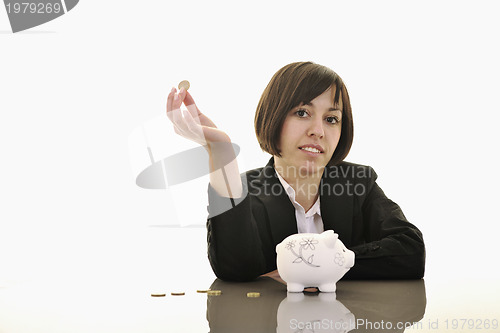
{"x": 312, "y": 148}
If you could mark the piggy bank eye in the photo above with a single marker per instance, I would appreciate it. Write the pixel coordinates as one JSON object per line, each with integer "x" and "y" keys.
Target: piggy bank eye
{"x": 343, "y": 250}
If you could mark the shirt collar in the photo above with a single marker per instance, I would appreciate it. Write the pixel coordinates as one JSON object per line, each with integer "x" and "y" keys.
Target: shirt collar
{"x": 315, "y": 209}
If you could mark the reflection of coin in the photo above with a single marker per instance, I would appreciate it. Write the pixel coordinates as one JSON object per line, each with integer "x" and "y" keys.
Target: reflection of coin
{"x": 214, "y": 292}
{"x": 204, "y": 291}
{"x": 253, "y": 294}
{"x": 158, "y": 295}
{"x": 184, "y": 84}
{"x": 178, "y": 294}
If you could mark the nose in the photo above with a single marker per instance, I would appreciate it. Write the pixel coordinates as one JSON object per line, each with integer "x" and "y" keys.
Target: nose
{"x": 316, "y": 128}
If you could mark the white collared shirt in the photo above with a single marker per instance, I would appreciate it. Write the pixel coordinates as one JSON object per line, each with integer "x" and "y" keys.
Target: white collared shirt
{"x": 307, "y": 222}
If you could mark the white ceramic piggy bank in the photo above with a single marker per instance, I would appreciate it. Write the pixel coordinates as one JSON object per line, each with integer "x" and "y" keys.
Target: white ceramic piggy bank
{"x": 313, "y": 260}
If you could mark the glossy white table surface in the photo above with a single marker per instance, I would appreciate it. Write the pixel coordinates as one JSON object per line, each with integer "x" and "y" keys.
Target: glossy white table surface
{"x": 107, "y": 288}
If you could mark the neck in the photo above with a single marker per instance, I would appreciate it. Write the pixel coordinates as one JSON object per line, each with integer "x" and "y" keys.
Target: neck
{"x": 305, "y": 185}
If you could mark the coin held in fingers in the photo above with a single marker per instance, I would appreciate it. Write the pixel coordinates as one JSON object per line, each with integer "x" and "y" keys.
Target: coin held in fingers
{"x": 184, "y": 84}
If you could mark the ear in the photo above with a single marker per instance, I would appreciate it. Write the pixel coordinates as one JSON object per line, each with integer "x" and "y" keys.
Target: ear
{"x": 330, "y": 237}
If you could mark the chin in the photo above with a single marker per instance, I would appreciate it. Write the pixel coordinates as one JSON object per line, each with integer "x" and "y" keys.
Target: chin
{"x": 309, "y": 167}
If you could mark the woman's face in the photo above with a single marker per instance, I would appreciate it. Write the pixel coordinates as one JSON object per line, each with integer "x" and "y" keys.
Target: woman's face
{"x": 309, "y": 136}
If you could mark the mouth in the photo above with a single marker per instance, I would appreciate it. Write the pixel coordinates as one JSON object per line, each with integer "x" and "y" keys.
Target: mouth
{"x": 312, "y": 149}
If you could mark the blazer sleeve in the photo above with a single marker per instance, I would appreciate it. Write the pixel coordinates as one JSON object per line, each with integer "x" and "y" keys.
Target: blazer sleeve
{"x": 393, "y": 248}
{"x": 234, "y": 246}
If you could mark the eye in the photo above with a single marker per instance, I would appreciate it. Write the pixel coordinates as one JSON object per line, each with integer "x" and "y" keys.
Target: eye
{"x": 332, "y": 120}
{"x": 302, "y": 113}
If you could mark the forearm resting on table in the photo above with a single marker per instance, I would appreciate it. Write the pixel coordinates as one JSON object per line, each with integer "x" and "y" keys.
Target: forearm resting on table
{"x": 224, "y": 171}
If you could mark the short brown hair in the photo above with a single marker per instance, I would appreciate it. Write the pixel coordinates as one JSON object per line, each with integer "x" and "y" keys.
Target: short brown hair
{"x": 296, "y": 83}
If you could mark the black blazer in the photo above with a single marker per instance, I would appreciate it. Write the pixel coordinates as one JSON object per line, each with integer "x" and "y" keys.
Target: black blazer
{"x": 242, "y": 239}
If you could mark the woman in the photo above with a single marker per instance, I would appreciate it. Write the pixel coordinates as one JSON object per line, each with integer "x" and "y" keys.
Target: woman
{"x": 304, "y": 121}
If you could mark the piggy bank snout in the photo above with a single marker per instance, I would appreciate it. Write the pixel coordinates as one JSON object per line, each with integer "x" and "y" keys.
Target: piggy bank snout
{"x": 349, "y": 258}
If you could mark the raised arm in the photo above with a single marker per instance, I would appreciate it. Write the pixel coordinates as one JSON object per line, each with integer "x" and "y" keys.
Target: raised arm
{"x": 195, "y": 126}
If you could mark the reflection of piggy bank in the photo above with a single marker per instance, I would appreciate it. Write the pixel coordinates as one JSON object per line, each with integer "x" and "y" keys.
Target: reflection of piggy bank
{"x": 317, "y": 313}
{"x": 313, "y": 260}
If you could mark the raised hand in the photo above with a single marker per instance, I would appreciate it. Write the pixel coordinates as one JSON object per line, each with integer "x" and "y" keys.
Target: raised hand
{"x": 191, "y": 123}
{"x": 195, "y": 126}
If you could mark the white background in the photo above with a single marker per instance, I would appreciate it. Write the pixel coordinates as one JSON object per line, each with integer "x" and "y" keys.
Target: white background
{"x": 422, "y": 76}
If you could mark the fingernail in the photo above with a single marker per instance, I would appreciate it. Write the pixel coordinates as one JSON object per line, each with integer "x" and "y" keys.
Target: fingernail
{"x": 176, "y": 97}
{"x": 182, "y": 90}
{"x": 173, "y": 89}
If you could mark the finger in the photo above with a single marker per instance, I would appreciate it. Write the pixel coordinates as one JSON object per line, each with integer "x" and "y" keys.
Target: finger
{"x": 170, "y": 116}
{"x": 170, "y": 99}
{"x": 189, "y": 103}
{"x": 196, "y": 130}
{"x": 191, "y": 107}
{"x": 181, "y": 128}
{"x": 194, "y": 126}
{"x": 178, "y": 120}
{"x": 180, "y": 132}
{"x": 170, "y": 113}
{"x": 176, "y": 102}
{"x": 182, "y": 94}
{"x": 189, "y": 120}
{"x": 193, "y": 110}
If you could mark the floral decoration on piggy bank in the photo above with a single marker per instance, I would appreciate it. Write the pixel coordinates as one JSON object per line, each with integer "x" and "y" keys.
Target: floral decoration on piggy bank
{"x": 313, "y": 260}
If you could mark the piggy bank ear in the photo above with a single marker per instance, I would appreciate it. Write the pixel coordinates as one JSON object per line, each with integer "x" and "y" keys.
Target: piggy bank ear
{"x": 279, "y": 246}
{"x": 330, "y": 237}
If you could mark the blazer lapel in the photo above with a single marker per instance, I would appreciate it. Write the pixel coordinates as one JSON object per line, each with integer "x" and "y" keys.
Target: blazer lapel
{"x": 335, "y": 202}
{"x": 280, "y": 210}
{"x": 337, "y": 205}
